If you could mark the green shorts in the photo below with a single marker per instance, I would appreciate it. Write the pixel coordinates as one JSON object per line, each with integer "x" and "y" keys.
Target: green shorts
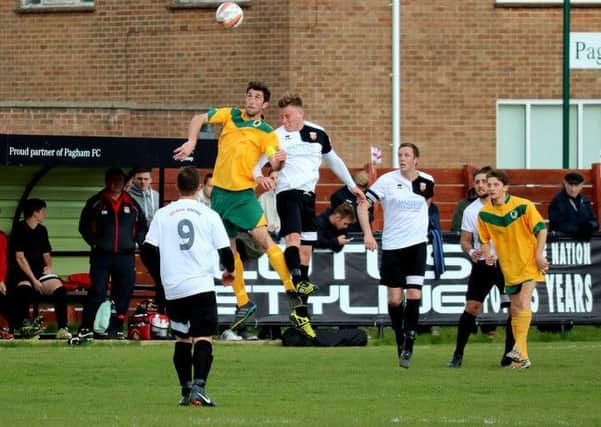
{"x": 516, "y": 289}
{"x": 239, "y": 210}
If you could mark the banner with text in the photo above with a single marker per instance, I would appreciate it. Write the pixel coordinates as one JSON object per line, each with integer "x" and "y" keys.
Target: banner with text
{"x": 350, "y": 293}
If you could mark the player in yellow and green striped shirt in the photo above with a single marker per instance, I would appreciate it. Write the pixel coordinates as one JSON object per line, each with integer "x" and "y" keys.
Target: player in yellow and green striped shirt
{"x": 245, "y": 137}
{"x": 519, "y": 235}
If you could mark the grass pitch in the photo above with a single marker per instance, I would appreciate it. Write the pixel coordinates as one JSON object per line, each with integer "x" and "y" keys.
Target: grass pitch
{"x": 121, "y": 384}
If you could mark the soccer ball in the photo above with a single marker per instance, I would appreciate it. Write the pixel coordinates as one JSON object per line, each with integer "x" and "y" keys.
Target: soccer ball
{"x": 229, "y": 15}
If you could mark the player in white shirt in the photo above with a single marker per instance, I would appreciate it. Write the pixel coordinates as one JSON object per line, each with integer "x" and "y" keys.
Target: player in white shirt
{"x": 187, "y": 234}
{"x": 404, "y": 241}
{"x": 306, "y": 145}
{"x": 482, "y": 278}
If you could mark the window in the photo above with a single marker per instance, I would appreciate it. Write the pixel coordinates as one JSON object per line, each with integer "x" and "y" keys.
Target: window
{"x": 209, "y": 4}
{"x": 530, "y": 135}
{"x": 42, "y": 5}
{"x": 545, "y": 3}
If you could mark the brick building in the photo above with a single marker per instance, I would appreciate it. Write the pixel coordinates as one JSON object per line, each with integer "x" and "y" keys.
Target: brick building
{"x": 471, "y": 70}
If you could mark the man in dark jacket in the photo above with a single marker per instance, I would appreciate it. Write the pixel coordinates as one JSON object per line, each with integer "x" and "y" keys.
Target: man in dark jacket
{"x": 332, "y": 225}
{"x": 570, "y": 211}
{"x": 112, "y": 223}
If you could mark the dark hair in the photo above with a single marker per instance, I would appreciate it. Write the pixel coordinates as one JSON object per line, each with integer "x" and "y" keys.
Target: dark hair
{"x": 136, "y": 171}
{"x": 188, "y": 180}
{"x": 499, "y": 174}
{"x": 412, "y": 146}
{"x": 345, "y": 210}
{"x": 113, "y": 172}
{"x": 207, "y": 177}
{"x": 260, "y": 86}
{"x": 30, "y": 206}
{"x": 485, "y": 170}
{"x": 290, "y": 98}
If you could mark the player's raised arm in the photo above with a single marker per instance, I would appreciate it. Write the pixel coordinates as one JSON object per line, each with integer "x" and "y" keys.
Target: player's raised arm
{"x": 187, "y": 148}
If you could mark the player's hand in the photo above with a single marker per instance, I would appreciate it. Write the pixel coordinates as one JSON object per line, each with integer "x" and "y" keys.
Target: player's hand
{"x": 227, "y": 278}
{"x": 370, "y": 243}
{"x": 476, "y": 254}
{"x": 265, "y": 182}
{"x": 342, "y": 240}
{"x": 37, "y": 285}
{"x": 491, "y": 260}
{"x": 542, "y": 263}
{"x": 183, "y": 151}
{"x": 2, "y": 288}
{"x": 280, "y": 155}
{"x": 359, "y": 194}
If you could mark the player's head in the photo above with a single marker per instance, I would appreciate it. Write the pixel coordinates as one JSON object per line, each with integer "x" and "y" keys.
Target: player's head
{"x": 257, "y": 99}
{"x": 114, "y": 180}
{"x": 188, "y": 181}
{"x": 497, "y": 185}
{"x": 291, "y": 112}
{"x": 480, "y": 181}
{"x": 408, "y": 157}
{"x": 343, "y": 216}
{"x": 34, "y": 207}
{"x": 142, "y": 178}
{"x": 361, "y": 178}
{"x": 207, "y": 185}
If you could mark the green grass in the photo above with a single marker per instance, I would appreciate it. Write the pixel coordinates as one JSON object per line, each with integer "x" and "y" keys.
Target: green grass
{"x": 122, "y": 384}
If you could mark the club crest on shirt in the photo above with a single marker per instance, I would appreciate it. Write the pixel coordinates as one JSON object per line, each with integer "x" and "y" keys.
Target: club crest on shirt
{"x": 513, "y": 214}
{"x": 126, "y": 209}
{"x": 257, "y": 123}
{"x": 313, "y": 136}
{"x": 399, "y": 186}
{"x": 422, "y": 186}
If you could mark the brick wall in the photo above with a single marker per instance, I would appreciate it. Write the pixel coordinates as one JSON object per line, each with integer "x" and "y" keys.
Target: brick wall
{"x": 457, "y": 59}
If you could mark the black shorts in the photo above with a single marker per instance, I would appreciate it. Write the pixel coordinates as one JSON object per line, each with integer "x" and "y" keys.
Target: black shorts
{"x": 482, "y": 279}
{"x": 404, "y": 268}
{"x": 193, "y": 316}
{"x": 296, "y": 210}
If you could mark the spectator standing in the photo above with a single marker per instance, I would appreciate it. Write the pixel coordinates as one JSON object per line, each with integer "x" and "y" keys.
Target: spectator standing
{"x": 344, "y": 195}
{"x": 31, "y": 275}
{"x": 141, "y": 191}
{"x": 519, "y": 235}
{"x": 457, "y": 219}
{"x": 190, "y": 233}
{"x": 112, "y": 223}
{"x": 404, "y": 240}
{"x": 570, "y": 211}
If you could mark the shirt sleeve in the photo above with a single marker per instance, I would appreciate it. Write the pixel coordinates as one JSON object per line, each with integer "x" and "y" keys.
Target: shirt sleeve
{"x": 16, "y": 238}
{"x": 483, "y": 233}
{"x": 219, "y": 115}
{"x": 153, "y": 236}
{"x": 535, "y": 220}
{"x": 375, "y": 193}
{"x": 218, "y": 234}
{"x": 46, "y": 247}
{"x": 271, "y": 144}
{"x": 469, "y": 222}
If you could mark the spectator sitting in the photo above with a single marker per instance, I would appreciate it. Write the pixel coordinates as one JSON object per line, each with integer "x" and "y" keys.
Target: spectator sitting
{"x": 4, "y": 335}
{"x": 141, "y": 191}
{"x": 204, "y": 195}
{"x": 344, "y": 195}
{"x": 30, "y": 271}
{"x": 112, "y": 223}
{"x": 570, "y": 211}
{"x": 332, "y": 226}
{"x": 460, "y": 207}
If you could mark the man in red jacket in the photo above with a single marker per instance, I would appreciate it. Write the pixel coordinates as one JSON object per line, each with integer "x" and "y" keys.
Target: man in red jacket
{"x": 112, "y": 223}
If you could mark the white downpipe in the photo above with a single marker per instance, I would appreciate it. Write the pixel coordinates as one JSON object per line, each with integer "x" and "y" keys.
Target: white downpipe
{"x": 396, "y": 81}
